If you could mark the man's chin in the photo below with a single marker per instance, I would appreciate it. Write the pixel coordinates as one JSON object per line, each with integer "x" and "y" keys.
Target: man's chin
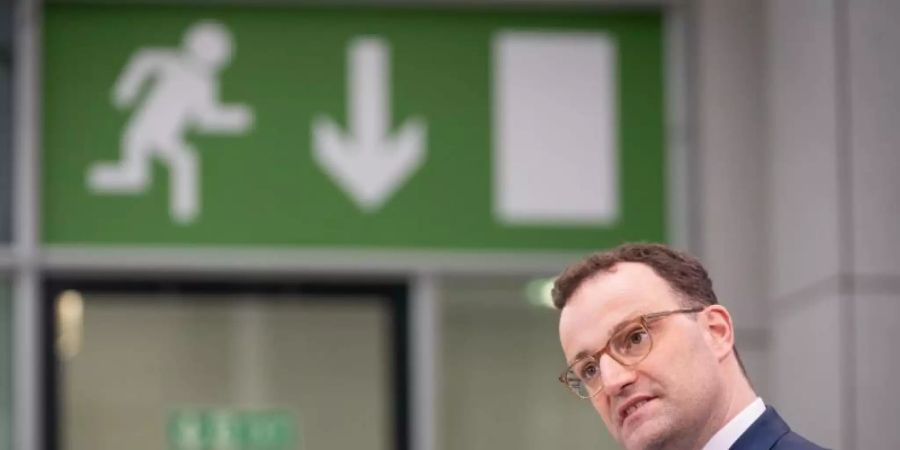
{"x": 646, "y": 435}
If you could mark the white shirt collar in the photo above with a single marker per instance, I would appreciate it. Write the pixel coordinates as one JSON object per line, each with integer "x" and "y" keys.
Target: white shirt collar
{"x": 729, "y": 434}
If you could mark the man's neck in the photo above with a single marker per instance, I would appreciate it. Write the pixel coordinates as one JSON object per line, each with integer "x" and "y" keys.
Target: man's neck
{"x": 741, "y": 398}
{"x": 731, "y": 404}
{"x": 735, "y": 401}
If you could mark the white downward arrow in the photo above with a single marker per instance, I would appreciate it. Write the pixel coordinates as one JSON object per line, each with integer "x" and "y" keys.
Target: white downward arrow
{"x": 369, "y": 163}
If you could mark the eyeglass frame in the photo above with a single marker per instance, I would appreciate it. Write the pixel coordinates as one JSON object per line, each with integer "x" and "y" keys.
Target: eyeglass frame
{"x": 645, "y": 320}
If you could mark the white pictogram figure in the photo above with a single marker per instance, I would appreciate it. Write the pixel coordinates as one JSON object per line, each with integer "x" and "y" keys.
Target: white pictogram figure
{"x": 183, "y": 97}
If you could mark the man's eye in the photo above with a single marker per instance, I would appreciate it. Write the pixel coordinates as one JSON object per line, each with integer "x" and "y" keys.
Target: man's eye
{"x": 636, "y": 337}
{"x": 588, "y": 371}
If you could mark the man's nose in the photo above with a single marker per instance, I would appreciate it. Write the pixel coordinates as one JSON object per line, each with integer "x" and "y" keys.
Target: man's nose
{"x": 614, "y": 375}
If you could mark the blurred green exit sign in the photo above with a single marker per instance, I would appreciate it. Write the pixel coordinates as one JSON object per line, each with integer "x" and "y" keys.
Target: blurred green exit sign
{"x": 456, "y": 129}
{"x": 225, "y": 429}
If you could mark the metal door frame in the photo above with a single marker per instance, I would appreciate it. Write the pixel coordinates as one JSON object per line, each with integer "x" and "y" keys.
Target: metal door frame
{"x": 391, "y": 294}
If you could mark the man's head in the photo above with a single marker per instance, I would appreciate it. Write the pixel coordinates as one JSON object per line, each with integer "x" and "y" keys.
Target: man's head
{"x": 209, "y": 43}
{"x": 684, "y": 386}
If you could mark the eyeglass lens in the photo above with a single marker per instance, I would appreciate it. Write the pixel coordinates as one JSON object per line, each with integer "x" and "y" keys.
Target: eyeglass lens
{"x": 629, "y": 346}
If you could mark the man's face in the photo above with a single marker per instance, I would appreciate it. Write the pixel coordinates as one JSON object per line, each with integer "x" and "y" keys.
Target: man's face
{"x": 676, "y": 386}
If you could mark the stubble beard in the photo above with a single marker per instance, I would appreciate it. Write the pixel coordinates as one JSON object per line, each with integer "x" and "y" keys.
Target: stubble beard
{"x": 663, "y": 432}
{"x": 657, "y": 438}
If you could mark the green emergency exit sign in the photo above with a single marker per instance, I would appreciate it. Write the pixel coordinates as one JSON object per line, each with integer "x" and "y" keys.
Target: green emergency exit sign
{"x": 352, "y": 128}
{"x": 226, "y": 429}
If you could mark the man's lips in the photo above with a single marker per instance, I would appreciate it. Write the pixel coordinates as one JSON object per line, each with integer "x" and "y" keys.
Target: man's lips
{"x": 628, "y": 408}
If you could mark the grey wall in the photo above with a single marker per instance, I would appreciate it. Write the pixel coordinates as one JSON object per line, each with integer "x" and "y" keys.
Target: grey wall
{"x": 797, "y": 106}
{"x": 872, "y": 59}
{"x": 804, "y": 119}
{"x": 833, "y": 72}
{"x": 5, "y": 117}
{"x": 729, "y": 166}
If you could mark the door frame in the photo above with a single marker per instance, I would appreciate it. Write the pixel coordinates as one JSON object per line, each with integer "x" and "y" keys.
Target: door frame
{"x": 393, "y": 294}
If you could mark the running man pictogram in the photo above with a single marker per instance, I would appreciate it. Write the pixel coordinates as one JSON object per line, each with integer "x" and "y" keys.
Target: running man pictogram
{"x": 182, "y": 97}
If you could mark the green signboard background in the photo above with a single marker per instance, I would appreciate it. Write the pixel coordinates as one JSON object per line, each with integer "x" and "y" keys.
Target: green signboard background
{"x": 263, "y": 188}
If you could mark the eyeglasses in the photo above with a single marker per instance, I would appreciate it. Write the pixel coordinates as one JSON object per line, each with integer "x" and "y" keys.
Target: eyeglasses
{"x": 628, "y": 346}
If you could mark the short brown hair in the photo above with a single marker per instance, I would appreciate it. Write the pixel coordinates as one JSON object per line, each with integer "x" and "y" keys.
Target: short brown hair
{"x": 684, "y": 273}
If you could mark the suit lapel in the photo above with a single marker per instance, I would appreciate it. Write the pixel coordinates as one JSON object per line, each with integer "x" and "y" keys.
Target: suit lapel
{"x": 763, "y": 433}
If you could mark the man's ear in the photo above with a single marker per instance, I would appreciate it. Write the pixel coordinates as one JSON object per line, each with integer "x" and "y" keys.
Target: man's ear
{"x": 719, "y": 330}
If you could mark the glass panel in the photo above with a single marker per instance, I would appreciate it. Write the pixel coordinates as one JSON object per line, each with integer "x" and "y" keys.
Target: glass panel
{"x": 150, "y": 372}
{"x": 501, "y": 357}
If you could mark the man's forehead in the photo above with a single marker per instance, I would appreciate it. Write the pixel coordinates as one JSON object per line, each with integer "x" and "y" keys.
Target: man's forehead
{"x": 589, "y": 317}
{"x": 605, "y": 300}
{"x": 624, "y": 285}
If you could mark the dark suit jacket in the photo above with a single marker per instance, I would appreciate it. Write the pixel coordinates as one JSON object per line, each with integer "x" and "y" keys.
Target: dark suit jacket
{"x": 769, "y": 432}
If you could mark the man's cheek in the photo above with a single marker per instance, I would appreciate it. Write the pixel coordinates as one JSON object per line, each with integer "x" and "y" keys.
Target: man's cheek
{"x": 601, "y": 405}
{"x": 604, "y": 412}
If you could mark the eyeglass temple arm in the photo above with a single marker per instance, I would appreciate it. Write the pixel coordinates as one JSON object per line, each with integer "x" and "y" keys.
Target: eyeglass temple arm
{"x": 658, "y": 315}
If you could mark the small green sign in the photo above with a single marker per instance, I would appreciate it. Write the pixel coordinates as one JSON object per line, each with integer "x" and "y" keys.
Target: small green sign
{"x": 352, "y": 128}
{"x": 224, "y": 429}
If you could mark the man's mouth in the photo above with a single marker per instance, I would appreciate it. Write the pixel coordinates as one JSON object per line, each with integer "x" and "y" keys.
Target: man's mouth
{"x": 631, "y": 407}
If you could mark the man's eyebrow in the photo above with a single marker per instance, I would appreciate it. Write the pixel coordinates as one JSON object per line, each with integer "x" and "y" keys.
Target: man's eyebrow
{"x": 579, "y": 355}
{"x": 621, "y": 325}
{"x": 609, "y": 335}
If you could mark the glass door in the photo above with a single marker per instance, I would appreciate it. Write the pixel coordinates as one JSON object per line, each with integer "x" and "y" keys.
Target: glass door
{"x": 202, "y": 366}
